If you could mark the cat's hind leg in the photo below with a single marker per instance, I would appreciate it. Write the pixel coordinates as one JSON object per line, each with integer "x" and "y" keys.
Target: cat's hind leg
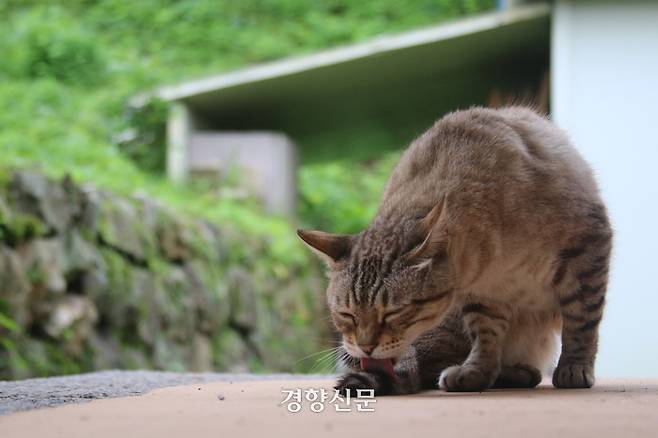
{"x": 581, "y": 280}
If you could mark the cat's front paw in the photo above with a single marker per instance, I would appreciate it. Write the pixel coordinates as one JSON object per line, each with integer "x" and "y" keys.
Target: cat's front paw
{"x": 381, "y": 383}
{"x": 573, "y": 375}
{"x": 465, "y": 378}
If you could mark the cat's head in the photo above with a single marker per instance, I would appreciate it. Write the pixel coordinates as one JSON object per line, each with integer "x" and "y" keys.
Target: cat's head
{"x": 388, "y": 284}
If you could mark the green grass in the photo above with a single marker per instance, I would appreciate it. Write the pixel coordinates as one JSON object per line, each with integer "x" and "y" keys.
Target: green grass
{"x": 70, "y": 66}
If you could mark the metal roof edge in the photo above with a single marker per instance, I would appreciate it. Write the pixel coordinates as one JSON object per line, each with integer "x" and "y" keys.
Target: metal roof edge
{"x": 373, "y": 46}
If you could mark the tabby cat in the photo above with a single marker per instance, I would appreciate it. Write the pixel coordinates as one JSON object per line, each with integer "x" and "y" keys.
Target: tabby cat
{"x": 490, "y": 241}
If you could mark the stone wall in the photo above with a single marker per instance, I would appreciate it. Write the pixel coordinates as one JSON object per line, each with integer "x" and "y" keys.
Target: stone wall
{"x": 91, "y": 280}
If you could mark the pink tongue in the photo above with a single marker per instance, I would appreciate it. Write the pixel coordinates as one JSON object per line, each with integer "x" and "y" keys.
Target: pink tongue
{"x": 386, "y": 365}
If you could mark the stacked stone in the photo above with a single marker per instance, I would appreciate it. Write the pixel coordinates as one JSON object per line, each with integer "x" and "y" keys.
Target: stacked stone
{"x": 91, "y": 280}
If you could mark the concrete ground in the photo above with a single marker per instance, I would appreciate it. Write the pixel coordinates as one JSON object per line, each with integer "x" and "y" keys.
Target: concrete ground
{"x": 22, "y": 395}
{"x": 249, "y": 407}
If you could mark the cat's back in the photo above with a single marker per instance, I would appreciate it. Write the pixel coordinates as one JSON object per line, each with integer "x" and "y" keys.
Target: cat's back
{"x": 548, "y": 160}
{"x": 499, "y": 141}
{"x": 512, "y": 150}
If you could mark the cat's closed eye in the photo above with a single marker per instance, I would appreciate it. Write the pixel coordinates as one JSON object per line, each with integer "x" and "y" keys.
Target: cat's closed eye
{"x": 392, "y": 315}
{"x": 348, "y": 317}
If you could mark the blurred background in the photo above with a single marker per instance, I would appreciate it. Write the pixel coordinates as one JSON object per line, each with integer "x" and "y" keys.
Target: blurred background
{"x": 156, "y": 157}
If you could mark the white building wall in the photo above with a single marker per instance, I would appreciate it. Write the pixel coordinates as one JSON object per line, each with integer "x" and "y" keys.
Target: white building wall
{"x": 605, "y": 94}
{"x": 267, "y": 161}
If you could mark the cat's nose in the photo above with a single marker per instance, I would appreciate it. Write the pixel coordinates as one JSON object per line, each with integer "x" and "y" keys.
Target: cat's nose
{"x": 367, "y": 348}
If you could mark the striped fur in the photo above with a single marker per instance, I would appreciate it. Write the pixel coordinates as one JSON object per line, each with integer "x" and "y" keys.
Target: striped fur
{"x": 490, "y": 222}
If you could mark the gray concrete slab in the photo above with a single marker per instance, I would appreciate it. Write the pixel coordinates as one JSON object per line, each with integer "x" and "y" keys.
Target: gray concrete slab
{"x": 22, "y": 395}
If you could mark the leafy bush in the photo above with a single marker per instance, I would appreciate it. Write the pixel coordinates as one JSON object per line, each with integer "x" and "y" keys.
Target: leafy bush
{"x": 69, "y": 67}
{"x": 145, "y": 134}
{"x": 54, "y": 50}
{"x": 342, "y": 196}
{"x": 46, "y": 43}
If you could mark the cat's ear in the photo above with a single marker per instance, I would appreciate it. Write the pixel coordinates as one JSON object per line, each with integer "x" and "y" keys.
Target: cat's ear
{"x": 435, "y": 241}
{"x": 330, "y": 247}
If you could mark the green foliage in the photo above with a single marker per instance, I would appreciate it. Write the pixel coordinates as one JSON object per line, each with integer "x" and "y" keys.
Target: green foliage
{"x": 142, "y": 140}
{"x": 69, "y": 67}
{"x": 55, "y": 50}
{"x": 20, "y": 227}
{"x": 46, "y": 43}
{"x": 180, "y": 37}
{"x": 8, "y": 323}
{"x": 343, "y": 196}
